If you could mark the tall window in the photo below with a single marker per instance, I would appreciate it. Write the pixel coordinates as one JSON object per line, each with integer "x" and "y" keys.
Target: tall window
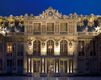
{"x": 9, "y": 47}
{"x": 9, "y": 63}
{"x": 50, "y": 47}
{"x": 63, "y": 47}
{"x": 63, "y": 28}
{"x": 36, "y": 47}
{"x": 29, "y": 29}
{"x": 81, "y": 48}
{"x": 50, "y": 28}
{"x": 37, "y": 28}
{"x": 20, "y": 49}
{"x": 20, "y": 62}
{"x": 1, "y": 48}
{"x": 1, "y": 64}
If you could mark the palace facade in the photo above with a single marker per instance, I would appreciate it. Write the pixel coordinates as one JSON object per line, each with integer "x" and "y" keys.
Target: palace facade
{"x": 50, "y": 43}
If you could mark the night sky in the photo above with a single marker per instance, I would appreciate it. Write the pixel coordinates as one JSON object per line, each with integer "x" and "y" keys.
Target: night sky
{"x": 20, "y": 7}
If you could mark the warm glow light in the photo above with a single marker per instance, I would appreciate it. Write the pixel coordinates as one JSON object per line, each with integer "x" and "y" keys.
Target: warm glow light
{"x": 32, "y": 65}
{"x": 71, "y": 66}
{"x": 56, "y": 67}
{"x": 29, "y": 65}
{"x": 70, "y": 44}
{"x": 29, "y": 47}
{"x": 43, "y": 61}
{"x": 43, "y": 51}
{"x": 50, "y": 47}
{"x": 71, "y": 50}
{"x": 57, "y": 50}
{"x": 9, "y": 47}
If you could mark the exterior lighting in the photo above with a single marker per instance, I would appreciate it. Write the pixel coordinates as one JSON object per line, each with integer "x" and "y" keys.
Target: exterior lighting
{"x": 81, "y": 46}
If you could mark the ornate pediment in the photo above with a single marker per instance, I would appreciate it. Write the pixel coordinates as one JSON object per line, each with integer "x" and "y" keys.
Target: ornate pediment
{"x": 50, "y": 13}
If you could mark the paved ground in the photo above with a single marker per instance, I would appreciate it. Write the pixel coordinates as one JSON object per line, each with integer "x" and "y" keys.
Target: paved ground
{"x": 51, "y": 78}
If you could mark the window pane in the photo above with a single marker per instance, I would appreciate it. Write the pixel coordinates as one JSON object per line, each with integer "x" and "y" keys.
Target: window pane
{"x": 50, "y": 28}
{"x": 63, "y": 28}
{"x": 20, "y": 49}
{"x": 50, "y": 47}
{"x": 37, "y": 28}
{"x": 9, "y": 47}
{"x": 63, "y": 47}
{"x": 1, "y": 48}
{"x": 81, "y": 48}
{"x": 36, "y": 47}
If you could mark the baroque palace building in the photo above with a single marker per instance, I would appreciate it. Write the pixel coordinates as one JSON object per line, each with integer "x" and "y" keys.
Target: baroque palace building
{"x": 50, "y": 43}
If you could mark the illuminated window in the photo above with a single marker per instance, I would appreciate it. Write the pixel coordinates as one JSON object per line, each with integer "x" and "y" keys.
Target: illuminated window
{"x": 63, "y": 47}
{"x": 9, "y": 47}
{"x": 36, "y": 47}
{"x": 63, "y": 28}
{"x": 37, "y": 28}
{"x": 50, "y": 28}
{"x": 50, "y": 47}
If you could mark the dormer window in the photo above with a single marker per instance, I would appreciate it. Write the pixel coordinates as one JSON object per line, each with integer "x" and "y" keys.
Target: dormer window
{"x": 50, "y": 13}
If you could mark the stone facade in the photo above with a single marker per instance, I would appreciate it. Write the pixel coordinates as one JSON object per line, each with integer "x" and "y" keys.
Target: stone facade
{"x": 50, "y": 43}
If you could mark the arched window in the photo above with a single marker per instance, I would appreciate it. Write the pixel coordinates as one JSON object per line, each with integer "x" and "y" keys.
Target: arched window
{"x": 63, "y": 48}
{"x": 50, "y": 47}
{"x": 36, "y": 47}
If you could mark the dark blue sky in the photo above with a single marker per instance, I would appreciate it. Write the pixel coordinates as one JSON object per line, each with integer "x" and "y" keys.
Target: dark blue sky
{"x": 20, "y": 7}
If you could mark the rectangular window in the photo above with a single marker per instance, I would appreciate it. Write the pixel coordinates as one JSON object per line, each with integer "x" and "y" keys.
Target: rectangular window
{"x": 81, "y": 48}
{"x": 20, "y": 49}
{"x": 9, "y": 63}
{"x": 9, "y": 47}
{"x": 37, "y": 28}
{"x": 20, "y": 63}
{"x": 1, "y": 64}
{"x": 30, "y": 28}
{"x": 50, "y": 28}
{"x": 63, "y": 28}
{"x": 1, "y": 48}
